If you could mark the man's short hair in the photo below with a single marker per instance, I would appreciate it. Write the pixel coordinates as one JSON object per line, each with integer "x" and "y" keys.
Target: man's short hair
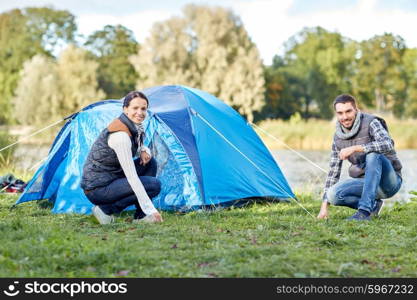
{"x": 344, "y": 98}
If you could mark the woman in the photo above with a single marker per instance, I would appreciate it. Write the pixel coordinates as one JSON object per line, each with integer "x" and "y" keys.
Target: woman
{"x": 112, "y": 180}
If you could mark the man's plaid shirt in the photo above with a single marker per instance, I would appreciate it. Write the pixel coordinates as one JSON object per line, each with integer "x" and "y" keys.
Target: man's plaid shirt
{"x": 381, "y": 143}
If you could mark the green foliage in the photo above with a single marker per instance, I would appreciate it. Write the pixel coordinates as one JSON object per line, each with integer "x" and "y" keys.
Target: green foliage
{"x": 50, "y": 90}
{"x": 38, "y": 93}
{"x": 78, "y": 80}
{"x": 112, "y": 48}
{"x": 53, "y": 28}
{"x": 410, "y": 67}
{"x": 283, "y": 92}
{"x": 318, "y": 65}
{"x": 312, "y": 71}
{"x": 380, "y": 79}
{"x": 23, "y": 34}
{"x": 208, "y": 48}
{"x": 16, "y": 46}
{"x": 260, "y": 240}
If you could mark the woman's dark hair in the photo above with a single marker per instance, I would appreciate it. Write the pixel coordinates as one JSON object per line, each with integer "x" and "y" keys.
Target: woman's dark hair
{"x": 132, "y": 95}
{"x": 344, "y": 98}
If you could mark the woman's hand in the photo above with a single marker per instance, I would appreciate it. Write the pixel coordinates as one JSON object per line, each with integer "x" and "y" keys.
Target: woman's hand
{"x": 153, "y": 218}
{"x": 157, "y": 217}
{"x": 144, "y": 158}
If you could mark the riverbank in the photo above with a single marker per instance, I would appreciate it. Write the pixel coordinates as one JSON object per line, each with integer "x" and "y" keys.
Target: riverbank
{"x": 296, "y": 133}
{"x": 261, "y": 240}
{"x": 318, "y": 134}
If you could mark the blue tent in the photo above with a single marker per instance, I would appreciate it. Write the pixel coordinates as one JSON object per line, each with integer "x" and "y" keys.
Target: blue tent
{"x": 207, "y": 154}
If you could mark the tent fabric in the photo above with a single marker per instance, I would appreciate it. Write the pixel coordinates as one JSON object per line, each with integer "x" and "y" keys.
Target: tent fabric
{"x": 207, "y": 154}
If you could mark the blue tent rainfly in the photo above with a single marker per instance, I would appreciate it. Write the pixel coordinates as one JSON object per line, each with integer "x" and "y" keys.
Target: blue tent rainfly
{"x": 207, "y": 154}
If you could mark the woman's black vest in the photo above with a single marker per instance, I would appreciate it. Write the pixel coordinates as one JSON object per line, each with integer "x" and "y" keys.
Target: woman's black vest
{"x": 363, "y": 137}
{"x": 102, "y": 166}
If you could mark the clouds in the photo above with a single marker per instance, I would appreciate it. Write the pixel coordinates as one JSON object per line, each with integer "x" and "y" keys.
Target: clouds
{"x": 139, "y": 22}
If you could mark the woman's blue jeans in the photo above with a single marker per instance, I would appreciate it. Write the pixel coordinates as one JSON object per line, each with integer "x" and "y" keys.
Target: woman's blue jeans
{"x": 380, "y": 182}
{"x": 118, "y": 195}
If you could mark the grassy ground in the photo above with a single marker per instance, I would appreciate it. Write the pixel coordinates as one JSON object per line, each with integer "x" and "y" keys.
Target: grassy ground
{"x": 260, "y": 240}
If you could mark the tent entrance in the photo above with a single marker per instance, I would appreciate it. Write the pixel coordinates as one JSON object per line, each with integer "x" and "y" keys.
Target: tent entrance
{"x": 179, "y": 184}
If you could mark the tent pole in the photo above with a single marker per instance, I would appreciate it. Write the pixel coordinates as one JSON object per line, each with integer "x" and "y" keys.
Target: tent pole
{"x": 296, "y": 152}
{"x": 38, "y": 163}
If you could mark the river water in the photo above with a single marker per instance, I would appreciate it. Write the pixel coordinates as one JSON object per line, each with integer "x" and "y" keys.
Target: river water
{"x": 301, "y": 174}
{"x": 304, "y": 176}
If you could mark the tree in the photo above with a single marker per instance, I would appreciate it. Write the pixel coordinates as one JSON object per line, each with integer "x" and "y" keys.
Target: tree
{"x": 319, "y": 63}
{"x": 53, "y": 28}
{"x": 410, "y": 65}
{"x": 283, "y": 92}
{"x": 37, "y": 95}
{"x": 208, "y": 48}
{"x": 23, "y": 34}
{"x": 380, "y": 80}
{"x": 16, "y": 46}
{"x": 112, "y": 48}
{"x": 49, "y": 89}
{"x": 78, "y": 80}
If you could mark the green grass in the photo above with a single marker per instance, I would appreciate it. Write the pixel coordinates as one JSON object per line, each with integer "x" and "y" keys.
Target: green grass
{"x": 260, "y": 240}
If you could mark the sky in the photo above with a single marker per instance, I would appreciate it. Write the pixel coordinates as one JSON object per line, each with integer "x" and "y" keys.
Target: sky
{"x": 270, "y": 23}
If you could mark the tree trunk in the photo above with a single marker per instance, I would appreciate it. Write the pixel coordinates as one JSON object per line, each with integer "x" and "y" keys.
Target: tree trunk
{"x": 307, "y": 108}
{"x": 379, "y": 98}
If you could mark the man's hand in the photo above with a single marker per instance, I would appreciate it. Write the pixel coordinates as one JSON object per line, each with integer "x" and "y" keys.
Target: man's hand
{"x": 144, "y": 158}
{"x": 346, "y": 152}
{"x": 324, "y": 212}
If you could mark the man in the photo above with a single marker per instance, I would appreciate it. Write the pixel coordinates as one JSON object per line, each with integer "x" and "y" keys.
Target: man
{"x": 362, "y": 139}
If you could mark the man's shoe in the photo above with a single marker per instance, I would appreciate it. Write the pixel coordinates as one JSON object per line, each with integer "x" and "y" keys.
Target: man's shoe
{"x": 101, "y": 217}
{"x": 359, "y": 216}
{"x": 378, "y": 207}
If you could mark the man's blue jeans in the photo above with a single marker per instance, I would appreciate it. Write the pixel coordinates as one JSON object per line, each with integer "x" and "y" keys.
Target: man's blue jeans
{"x": 118, "y": 195}
{"x": 380, "y": 182}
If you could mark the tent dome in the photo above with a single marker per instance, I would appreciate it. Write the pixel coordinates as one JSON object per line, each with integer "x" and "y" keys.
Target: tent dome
{"x": 207, "y": 154}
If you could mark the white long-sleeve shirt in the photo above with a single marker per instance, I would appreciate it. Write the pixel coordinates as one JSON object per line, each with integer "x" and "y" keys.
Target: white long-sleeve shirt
{"x": 120, "y": 142}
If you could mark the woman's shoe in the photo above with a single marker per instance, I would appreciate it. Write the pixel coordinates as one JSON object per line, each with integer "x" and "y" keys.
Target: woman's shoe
{"x": 101, "y": 217}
